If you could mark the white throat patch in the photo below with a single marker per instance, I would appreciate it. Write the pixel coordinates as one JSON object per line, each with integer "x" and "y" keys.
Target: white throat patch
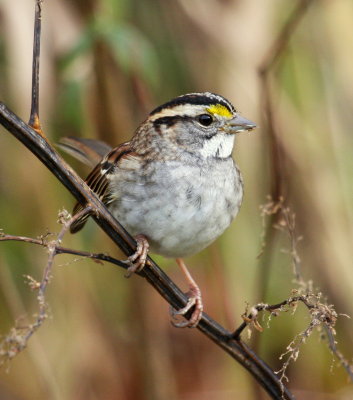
{"x": 220, "y": 145}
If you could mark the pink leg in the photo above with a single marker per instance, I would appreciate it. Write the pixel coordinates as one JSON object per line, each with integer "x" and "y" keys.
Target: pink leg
{"x": 194, "y": 300}
{"x": 137, "y": 260}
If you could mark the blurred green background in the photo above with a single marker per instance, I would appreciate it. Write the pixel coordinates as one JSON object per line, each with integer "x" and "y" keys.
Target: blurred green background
{"x": 104, "y": 65}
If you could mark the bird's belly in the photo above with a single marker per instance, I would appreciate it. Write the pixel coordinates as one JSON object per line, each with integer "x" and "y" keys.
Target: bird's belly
{"x": 180, "y": 214}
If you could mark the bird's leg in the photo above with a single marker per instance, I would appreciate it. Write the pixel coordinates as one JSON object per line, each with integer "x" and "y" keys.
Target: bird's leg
{"x": 138, "y": 260}
{"x": 194, "y": 300}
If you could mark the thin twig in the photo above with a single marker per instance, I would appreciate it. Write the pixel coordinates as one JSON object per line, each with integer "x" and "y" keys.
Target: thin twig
{"x": 36, "y": 143}
{"x": 65, "y": 250}
{"x": 278, "y": 173}
{"x": 66, "y": 220}
{"x": 19, "y": 336}
{"x": 153, "y": 274}
{"x": 34, "y": 117}
{"x": 251, "y": 317}
{"x": 323, "y": 315}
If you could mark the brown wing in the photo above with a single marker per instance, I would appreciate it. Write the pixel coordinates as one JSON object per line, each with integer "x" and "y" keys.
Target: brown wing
{"x": 98, "y": 181}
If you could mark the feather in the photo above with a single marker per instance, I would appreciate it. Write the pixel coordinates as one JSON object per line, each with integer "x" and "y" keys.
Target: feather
{"x": 98, "y": 181}
{"x": 88, "y": 151}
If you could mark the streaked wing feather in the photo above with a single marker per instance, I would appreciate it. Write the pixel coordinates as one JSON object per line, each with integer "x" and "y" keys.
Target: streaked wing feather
{"x": 98, "y": 181}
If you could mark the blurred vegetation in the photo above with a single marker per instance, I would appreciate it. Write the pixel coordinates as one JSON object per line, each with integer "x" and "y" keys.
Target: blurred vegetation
{"x": 104, "y": 65}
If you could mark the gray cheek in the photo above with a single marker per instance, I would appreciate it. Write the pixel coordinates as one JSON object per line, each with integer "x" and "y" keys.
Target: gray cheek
{"x": 191, "y": 135}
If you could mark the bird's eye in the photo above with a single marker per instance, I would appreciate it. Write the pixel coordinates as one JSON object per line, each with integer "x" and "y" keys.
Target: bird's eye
{"x": 205, "y": 119}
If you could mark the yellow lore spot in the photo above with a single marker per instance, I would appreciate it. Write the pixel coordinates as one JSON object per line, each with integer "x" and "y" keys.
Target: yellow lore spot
{"x": 221, "y": 110}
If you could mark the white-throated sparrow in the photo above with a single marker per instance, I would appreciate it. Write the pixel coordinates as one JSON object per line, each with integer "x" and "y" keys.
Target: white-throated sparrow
{"x": 175, "y": 186}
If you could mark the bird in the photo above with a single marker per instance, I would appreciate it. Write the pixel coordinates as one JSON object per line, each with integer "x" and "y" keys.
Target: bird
{"x": 175, "y": 185}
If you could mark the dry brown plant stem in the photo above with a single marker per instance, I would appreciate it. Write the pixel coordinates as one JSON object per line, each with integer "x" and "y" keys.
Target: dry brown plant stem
{"x": 323, "y": 316}
{"x": 278, "y": 190}
{"x": 34, "y": 116}
{"x": 35, "y": 141}
{"x": 277, "y": 173}
{"x": 19, "y": 336}
{"x": 152, "y": 273}
{"x": 272, "y": 134}
{"x": 63, "y": 250}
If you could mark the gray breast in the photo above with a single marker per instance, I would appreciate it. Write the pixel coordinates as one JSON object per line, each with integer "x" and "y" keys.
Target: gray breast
{"x": 180, "y": 208}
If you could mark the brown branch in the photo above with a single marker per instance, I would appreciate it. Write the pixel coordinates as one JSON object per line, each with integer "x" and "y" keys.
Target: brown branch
{"x": 250, "y": 318}
{"x": 34, "y": 117}
{"x": 35, "y": 141}
{"x": 152, "y": 273}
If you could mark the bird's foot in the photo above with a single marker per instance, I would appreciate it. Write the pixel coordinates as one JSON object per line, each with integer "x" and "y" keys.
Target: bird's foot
{"x": 194, "y": 300}
{"x": 137, "y": 260}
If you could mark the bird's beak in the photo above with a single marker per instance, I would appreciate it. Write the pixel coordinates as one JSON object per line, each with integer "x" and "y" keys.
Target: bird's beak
{"x": 239, "y": 124}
